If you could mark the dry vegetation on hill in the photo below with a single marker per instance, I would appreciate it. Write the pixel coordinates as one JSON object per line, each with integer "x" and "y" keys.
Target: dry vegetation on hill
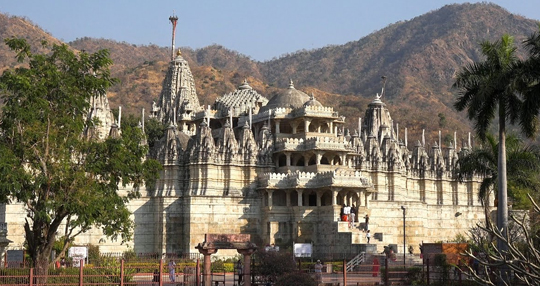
{"x": 419, "y": 58}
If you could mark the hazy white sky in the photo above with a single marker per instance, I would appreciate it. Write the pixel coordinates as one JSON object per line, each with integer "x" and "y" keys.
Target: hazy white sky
{"x": 261, "y": 29}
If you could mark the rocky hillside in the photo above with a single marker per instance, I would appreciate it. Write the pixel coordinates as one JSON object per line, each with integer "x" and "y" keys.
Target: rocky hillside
{"x": 21, "y": 28}
{"x": 419, "y": 58}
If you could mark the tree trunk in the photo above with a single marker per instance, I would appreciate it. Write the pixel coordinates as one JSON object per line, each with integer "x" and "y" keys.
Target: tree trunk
{"x": 41, "y": 266}
{"x": 502, "y": 207}
{"x": 40, "y": 246}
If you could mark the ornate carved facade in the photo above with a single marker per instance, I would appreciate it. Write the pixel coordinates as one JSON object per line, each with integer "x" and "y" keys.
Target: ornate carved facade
{"x": 280, "y": 170}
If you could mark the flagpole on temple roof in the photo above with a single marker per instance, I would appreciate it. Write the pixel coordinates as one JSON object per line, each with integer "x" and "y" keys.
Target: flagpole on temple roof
{"x": 173, "y": 20}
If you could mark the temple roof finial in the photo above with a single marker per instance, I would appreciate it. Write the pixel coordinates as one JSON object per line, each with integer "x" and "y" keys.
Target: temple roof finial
{"x": 291, "y": 84}
{"x": 244, "y": 85}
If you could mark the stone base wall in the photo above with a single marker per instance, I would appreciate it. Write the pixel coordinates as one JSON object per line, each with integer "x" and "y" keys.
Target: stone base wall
{"x": 178, "y": 224}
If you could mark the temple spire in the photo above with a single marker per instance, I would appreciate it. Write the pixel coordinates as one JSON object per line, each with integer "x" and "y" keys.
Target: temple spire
{"x": 173, "y": 20}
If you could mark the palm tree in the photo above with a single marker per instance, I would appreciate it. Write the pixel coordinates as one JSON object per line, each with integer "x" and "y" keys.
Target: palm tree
{"x": 529, "y": 84}
{"x": 487, "y": 88}
{"x": 523, "y": 166}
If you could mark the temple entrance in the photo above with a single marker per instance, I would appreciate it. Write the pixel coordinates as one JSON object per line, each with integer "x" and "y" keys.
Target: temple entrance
{"x": 213, "y": 242}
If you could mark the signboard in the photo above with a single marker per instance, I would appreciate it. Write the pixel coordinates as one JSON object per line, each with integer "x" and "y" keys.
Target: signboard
{"x": 15, "y": 258}
{"x": 227, "y": 238}
{"x": 302, "y": 250}
{"x": 227, "y": 241}
{"x": 77, "y": 253}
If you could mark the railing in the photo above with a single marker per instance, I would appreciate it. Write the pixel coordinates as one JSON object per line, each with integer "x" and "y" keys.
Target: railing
{"x": 118, "y": 273}
{"x": 152, "y": 256}
{"x": 357, "y": 260}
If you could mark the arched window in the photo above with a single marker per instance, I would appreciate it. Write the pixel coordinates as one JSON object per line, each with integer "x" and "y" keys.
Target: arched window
{"x": 324, "y": 161}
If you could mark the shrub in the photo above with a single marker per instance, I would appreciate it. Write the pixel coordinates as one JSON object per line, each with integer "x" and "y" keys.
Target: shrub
{"x": 295, "y": 279}
{"x": 274, "y": 264}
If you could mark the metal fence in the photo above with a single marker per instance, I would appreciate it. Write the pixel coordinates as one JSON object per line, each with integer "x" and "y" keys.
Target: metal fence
{"x": 187, "y": 272}
{"x": 147, "y": 273}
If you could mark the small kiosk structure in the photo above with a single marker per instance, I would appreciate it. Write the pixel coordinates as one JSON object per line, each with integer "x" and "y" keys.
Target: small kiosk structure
{"x": 213, "y": 242}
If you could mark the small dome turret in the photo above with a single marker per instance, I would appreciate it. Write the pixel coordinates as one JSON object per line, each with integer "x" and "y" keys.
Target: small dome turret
{"x": 244, "y": 85}
{"x": 312, "y": 101}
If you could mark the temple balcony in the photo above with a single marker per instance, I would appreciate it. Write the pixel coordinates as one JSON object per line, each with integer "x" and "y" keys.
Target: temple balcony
{"x": 316, "y": 111}
{"x": 313, "y": 143}
{"x": 348, "y": 179}
{"x": 311, "y": 168}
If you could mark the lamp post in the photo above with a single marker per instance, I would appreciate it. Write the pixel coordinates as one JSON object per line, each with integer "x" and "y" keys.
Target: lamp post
{"x": 404, "y": 251}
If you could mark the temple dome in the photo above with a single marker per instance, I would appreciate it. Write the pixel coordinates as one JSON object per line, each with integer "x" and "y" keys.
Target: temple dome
{"x": 239, "y": 101}
{"x": 290, "y": 98}
{"x": 312, "y": 102}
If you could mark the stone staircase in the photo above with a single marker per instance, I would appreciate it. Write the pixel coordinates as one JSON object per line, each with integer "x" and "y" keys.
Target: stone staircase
{"x": 358, "y": 235}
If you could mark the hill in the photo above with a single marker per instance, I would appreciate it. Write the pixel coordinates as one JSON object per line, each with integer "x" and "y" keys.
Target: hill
{"x": 419, "y": 58}
{"x": 11, "y": 26}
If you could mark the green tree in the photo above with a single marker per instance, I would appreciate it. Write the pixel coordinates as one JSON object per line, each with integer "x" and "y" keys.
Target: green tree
{"x": 442, "y": 120}
{"x": 47, "y": 165}
{"x": 486, "y": 89}
{"x": 523, "y": 166}
{"x": 153, "y": 129}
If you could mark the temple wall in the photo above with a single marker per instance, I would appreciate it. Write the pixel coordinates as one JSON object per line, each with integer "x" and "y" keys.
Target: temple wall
{"x": 221, "y": 214}
{"x": 170, "y": 223}
{"x": 15, "y": 215}
{"x": 221, "y": 180}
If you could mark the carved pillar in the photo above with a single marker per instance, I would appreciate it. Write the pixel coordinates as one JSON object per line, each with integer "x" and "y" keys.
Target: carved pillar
{"x": 331, "y": 127}
{"x": 294, "y": 126}
{"x": 247, "y": 265}
{"x": 306, "y": 160}
{"x": 277, "y": 126}
{"x": 270, "y": 192}
{"x": 367, "y": 199}
{"x": 300, "y": 192}
{"x": 288, "y": 155}
{"x": 207, "y": 265}
{"x": 307, "y": 122}
{"x": 318, "y": 158}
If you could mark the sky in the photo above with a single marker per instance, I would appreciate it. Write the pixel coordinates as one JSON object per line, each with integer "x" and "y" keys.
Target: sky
{"x": 260, "y": 29}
